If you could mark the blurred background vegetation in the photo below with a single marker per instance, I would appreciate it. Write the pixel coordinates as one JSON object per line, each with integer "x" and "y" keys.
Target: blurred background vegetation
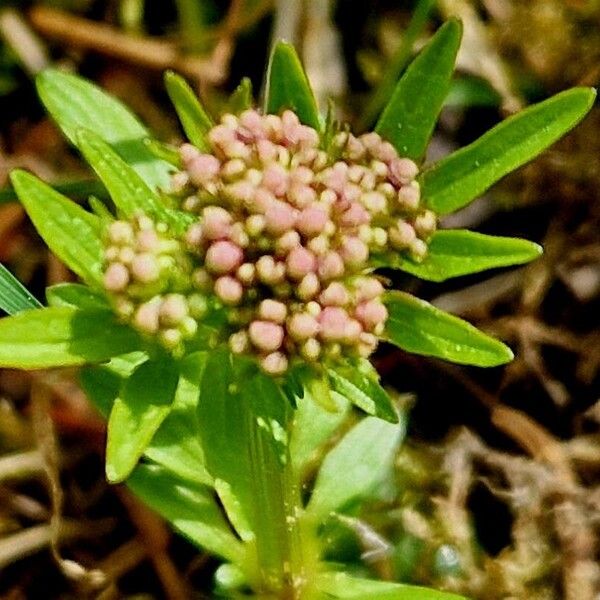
{"x": 497, "y": 493}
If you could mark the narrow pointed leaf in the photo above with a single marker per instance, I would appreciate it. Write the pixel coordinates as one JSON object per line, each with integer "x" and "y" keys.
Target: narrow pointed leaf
{"x": 342, "y": 585}
{"x": 358, "y": 382}
{"x": 76, "y": 296}
{"x": 355, "y": 468}
{"x": 194, "y": 119}
{"x": 241, "y": 99}
{"x": 75, "y": 102}
{"x": 127, "y": 189}
{"x": 70, "y": 232}
{"x": 14, "y": 296}
{"x": 410, "y": 116}
{"x": 457, "y": 252}
{"x": 288, "y": 86}
{"x": 416, "y": 326}
{"x": 393, "y": 70}
{"x": 77, "y": 190}
{"x": 62, "y": 336}
{"x": 190, "y": 507}
{"x": 141, "y": 407}
{"x": 454, "y": 181}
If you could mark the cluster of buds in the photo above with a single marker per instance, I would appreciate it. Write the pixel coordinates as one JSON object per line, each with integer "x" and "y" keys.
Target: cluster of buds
{"x": 148, "y": 276}
{"x": 285, "y": 231}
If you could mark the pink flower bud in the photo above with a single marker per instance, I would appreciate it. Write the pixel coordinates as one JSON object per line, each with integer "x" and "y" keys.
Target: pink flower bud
{"x": 267, "y": 151}
{"x": 233, "y": 169}
{"x": 147, "y": 241}
{"x": 274, "y": 128}
{"x": 269, "y": 271}
{"x": 229, "y": 290}
{"x": 355, "y": 216}
{"x": 173, "y": 310}
{"x": 241, "y": 192}
{"x": 402, "y": 234}
{"x": 384, "y": 152}
{"x": 146, "y": 317}
{"x": 272, "y": 310}
{"x": 252, "y": 120}
{"x": 275, "y": 363}
{"x": 418, "y": 249}
{"x": 203, "y": 168}
{"x": 367, "y": 288}
{"x": 188, "y": 152}
{"x": 302, "y": 326}
{"x": 120, "y": 233}
{"x": 336, "y": 177}
{"x": 307, "y": 137}
{"x": 116, "y": 277}
{"x": 275, "y": 179}
{"x": 425, "y": 224}
{"x": 331, "y": 266}
{"x": 290, "y": 124}
{"x": 367, "y": 344}
{"x": 287, "y": 242}
{"x": 221, "y": 135}
{"x": 301, "y": 195}
{"x": 302, "y": 175}
{"x": 333, "y": 321}
{"x": 238, "y": 342}
{"x": 352, "y": 332}
{"x": 223, "y": 257}
{"x": 309, "y": 287}
{"x": 335, "y": 294}
{"x": 239, "y": 236}
{"x": 371, "y": 313}
{"x": 371, "y": 140}
{"x": 354, "y": 252}
{"x": 263, "y": 199}
{"x": 280, "y": 217}
{"x": 318, "y": 245}
{"x": 403, "y": 171}
{"x": 300, "y": 262}
{"x": 312, "y": 220}
{"x": 355, "y": 149}
{"x": 374, "y": 202}
{"x": 215, "y": 222}
{"x": 409, "y": 196}
{"x": 145, "y": 268}
{"x": 266, "y": 336}
{"x": 246, "y": 273}
{"x": 179, "y": 181}
{"x": 255, "y": 225}
{"x": 311, "y": 349}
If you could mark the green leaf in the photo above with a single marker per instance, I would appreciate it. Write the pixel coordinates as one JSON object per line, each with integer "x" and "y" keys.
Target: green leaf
{"x": 137, "y": 413}
{"x": 469, "y": 91}
{"x": 242, "y": 417}
{"x": 70, "y": 232}
{"x": 76, "y": 296}
{"x": 241, "y": 99}
{"x": 190, "y": 507}
{"x": 416, "y": 326}
{"x": 194, "y": 119}
{"x": 393, "y": 70}
{"x": 176, "y": 445}
{"x": 457, "y": 252}
{"x": 79, "y": 190}
{"x": 459, "y": 178}
{"x": 355, "y": 468}
{"x": 14, "y": 297}
{"x": 62, "y": 336}
{"x": 288, "y": 86}
{"x": 75, "y": 102}
{"x": 127, "y": 189}
{"x": 342, "y": 585}
{"x": 410, "y": 116}
{"x": 358, "y": 382}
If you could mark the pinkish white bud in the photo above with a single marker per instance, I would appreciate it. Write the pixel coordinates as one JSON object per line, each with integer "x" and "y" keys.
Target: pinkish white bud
{"x": 229, "y": 290}
{"x": 301, "y": 195}
{"x": 216, "y": 222}
{"x": 374, "y": 202}
{"x": 275, "y": 363}
{"x": 238, "y": 342}
{"x": 147, "y": 241}
{"x": 146, "y": 317}
{"x": 352, "y": 332}
{"x": 370, "y": 140}
{"x": 367, "y": 288}
{"x": 145, "y": 268}
{"x": 319, "y": 245}
{"x": 270, "y": 271}
{"x": 171, "y": 338}
{"x": 126, "y": 255}
{"x": 266, "y": 336}
{"x": 272, "y": 310}
{"x": 418, "y": 249}
{"x": 403, "y": 170}
{"x": 300, "y": 262}
{"x": 188, "y": 152}
{"x": 371, "y": 313}
{"x": 246, "y": 273}
{"x": 287, "y": 242}
{"x": 120, "y": 233}
{"x": 275, "y": 179}
{"x": 239, "y": 236}
{"x": 354, "y": 252}
{"x": 233, "y": 169}
{"x": 194, "y": 236}
{"x": 333, "y": 321}
{"x": 241, "y": 192}
{"x": 223, "y": 257}
{"x": 312, "y": 220}
{"x": 335, "y": 294}
{"x": 311, "y": 349}
{"x": 202, "y": 280}
{"x": 367, "y": 344}
{"x": 280, "y": 217}
{"x": 302, "y": 326}
{"x": 331, "y": 266}
{"x": 409, "y": 196}
{"x": 384, "y": 152}
{"x": 309, "y": 287}
{"x": 203, "y": 168}
{"x": 116, "y": 277}
{"x": 425, "y": 224}
{"x": 255, "y": 225}
{"x": 173, "y": 310}
{"x": 267, "y": 151}
{"x": 355, "y": 215}
{"x": 402, "y": 235}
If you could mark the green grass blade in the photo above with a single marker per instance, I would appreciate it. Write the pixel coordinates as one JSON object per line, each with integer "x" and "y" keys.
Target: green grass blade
{"x": 194, "y": 119}
{"x": 70, "y": 232}
{"x": 241, "y": 98}
{"x": 461, "y": 177}
{"x": 410, "y": 116}
{"x": 288, "y": 86}
{"x": 398, "y": 62}
{"x": 14, "y": 296}
{"x": 75, "y": 102}
{"x": 416, "y": 326}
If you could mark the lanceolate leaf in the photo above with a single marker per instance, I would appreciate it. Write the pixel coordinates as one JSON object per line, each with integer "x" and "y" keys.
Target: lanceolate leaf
{"x": 190, "y": 507}
{"x": 76, "y": 296}
{"x": 127, "y": 189}
{"x": 342, "y": 585}
{"x": 75, "y": 102}
{"x": 288, "y": 86}
{"x": 456, "y": 180}
{"x": 241, "y": 98}
{"x": 410, "y": 116}
{"x": 457, "y": 252}
{"x": 70, "y": 232}
{"x": 357, "y": 466}
{"x": 194, "y": 119}
{"x": 416, "y": 326}
{"x": 358, "y": 382}
{"x": 62, "y": 336}
{"x": 136, "y": 415}
{"x": 14, "y": 297}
